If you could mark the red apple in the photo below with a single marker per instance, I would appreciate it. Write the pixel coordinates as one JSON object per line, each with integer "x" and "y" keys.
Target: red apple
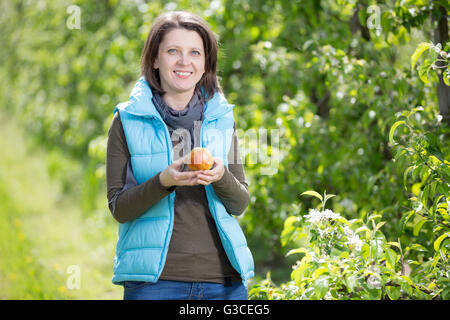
{"x": 200, "y": 159}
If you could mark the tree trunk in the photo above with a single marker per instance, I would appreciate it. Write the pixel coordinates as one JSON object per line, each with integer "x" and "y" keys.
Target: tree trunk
{"x": 441, "y": 36}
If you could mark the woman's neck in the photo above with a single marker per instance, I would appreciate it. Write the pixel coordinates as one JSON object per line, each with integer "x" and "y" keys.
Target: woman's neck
{"x": 178, "y": 101}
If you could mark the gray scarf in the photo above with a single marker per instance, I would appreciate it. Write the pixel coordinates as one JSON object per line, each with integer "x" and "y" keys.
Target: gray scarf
{"x": 184, "y": 119}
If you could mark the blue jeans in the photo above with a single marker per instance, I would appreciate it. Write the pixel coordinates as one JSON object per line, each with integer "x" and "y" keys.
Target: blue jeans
{"x": 180, "y": 290}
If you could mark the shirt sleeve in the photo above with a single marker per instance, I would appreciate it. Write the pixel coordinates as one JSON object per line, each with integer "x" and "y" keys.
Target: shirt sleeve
{"x": 126, "y": 199}
{"x": 232, "y": 189}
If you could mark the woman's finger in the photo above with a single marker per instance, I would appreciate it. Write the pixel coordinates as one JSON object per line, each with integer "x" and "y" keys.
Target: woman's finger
{"x": 206, "y": 178}
{"x": 184, "y": 175}
{"x": 202, "y": 182}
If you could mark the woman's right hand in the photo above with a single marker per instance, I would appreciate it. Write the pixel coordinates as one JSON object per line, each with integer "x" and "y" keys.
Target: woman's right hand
{"x": 172, "y": 176}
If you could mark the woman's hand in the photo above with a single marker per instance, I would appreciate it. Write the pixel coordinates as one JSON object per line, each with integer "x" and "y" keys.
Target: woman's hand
{"x": 172, "y": 176}
{"x": 206, "y": 177}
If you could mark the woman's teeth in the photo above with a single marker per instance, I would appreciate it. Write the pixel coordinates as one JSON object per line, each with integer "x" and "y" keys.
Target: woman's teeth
{"x": 182, "y": 73}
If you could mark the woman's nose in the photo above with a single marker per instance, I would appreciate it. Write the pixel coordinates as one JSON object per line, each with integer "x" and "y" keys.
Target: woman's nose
{"x": 183, "y": 59}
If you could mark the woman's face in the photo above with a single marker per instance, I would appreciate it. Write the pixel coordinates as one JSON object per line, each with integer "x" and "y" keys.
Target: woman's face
{"x": 180, "y": 60}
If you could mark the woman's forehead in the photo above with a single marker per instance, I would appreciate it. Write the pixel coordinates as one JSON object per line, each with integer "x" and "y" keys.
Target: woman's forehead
{"x": 182, "y": 38}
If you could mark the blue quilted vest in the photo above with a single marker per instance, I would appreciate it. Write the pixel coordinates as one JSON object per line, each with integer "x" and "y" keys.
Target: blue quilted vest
{"x": 143, "y": 242}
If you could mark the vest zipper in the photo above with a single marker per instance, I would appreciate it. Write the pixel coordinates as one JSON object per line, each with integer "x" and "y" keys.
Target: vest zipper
{"x": 216, "y": 219}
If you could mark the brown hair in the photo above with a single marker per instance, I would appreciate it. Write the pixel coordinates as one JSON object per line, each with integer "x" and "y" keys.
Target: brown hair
{"x": 188, "y": 21}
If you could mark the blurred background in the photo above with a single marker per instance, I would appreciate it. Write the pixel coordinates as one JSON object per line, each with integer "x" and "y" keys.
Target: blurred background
{"x": 332, "y": 76}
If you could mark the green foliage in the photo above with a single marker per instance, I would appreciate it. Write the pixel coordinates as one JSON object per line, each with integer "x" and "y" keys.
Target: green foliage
{"x": 45, "y": 235}
{"x": 422, "y": 153}
{"x": 20, "y": 264}
{"x": 353, "y": 259}
{"x": 439, "y": 59}
{"x": 335, "y": 77}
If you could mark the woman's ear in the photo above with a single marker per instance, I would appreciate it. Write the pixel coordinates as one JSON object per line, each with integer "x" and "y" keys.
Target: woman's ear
{"x": 155, "y": 64}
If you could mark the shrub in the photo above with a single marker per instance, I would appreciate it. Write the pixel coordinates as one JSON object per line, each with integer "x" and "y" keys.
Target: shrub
{"x": 350, "y": 259}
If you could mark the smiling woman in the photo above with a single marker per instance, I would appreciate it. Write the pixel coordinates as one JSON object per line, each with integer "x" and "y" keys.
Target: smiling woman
{"x": 201, "y": 44}
{"x": 178, "y": 238}
{"x": 181, "y": 65}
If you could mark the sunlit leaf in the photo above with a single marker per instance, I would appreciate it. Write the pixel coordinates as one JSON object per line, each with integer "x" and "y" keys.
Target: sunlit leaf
{"x": 312, "y": 193}
{"x": 438, "y": 241}
{"x": 421, "y": 48}
{"x": 392, "y": 131}
{"x": 418, "y": 226}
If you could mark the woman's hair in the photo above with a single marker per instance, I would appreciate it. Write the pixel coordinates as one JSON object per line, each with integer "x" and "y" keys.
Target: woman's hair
{"x": 188, "y": 21}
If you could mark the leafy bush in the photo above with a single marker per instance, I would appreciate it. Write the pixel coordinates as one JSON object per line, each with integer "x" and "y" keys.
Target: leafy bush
{"x": 438, "y": 59}
{"x": 351, "y": 259}
{"x": 354, "y": 259}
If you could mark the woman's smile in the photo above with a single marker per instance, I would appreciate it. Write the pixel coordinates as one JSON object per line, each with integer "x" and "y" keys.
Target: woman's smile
{"x": 183, "y": 74}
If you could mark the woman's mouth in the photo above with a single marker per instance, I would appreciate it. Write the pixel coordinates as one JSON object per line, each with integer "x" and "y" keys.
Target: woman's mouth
{"x": 183, "y": 74}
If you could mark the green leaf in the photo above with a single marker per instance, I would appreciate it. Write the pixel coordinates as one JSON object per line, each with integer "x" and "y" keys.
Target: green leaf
{"x": 437, "y": 243}
{"x": 351, "y": 281}
{"x": 318, "y": 272}
{"x": 343, "y": 220}
{"x": 298, "y": 250}
{"x": 443, "y": 188}
{"x": 365, "y": 251}
{"x": 312, "y": 193}
{"x": 443, "y": 213}
{"x": 376, "y": 249}
{"x": 415, "y": 173}
{"x": 364, "y": 228}
{"x": 386, "y": 21}
{"x": 405, "y": 219}
{"x": 421, "y": 48}
{"x": 424, "y": 69}
{"x": 391, "y": 257}
{"x": 290, "y": 221}
{"x": 405, "y": 175}
{"x": 392, "y": 131}
{"x": 379, "y": 225}
{"x": 393, "y": 292}
{"x": 432, "y": 139}
{"x": 395, "y": 244}
{"x": 424, "y": 198}
{"x": 288, "y": 230}
{"x": 321, "y": 286}
{"x": 417, "y": 247}
{"x": 297, "y": 274}
{"x": 418, "y": 226}
{"x": 446, "y": 77}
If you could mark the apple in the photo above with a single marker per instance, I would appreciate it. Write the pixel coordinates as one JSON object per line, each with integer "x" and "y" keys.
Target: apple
{"x": 200, "y": 159}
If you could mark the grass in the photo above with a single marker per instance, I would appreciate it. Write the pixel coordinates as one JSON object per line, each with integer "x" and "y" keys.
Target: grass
{"x": 45, "y": 235}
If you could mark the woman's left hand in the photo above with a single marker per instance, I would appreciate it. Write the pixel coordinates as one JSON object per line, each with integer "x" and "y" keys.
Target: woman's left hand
{"x": 216, "y": 173}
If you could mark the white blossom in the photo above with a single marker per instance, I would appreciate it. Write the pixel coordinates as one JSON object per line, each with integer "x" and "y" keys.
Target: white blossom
{"x": 348, "y": 232}
{"x": 355, "y": 241}
{"x": 315, "y": 215}
{"x": 331, "y": 215}
{"x": 374, "y": 282}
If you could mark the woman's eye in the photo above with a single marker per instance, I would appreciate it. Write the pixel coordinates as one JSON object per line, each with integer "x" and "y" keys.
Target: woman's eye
{"x": 196, "y": 53}
{"x": 172, "y": 51}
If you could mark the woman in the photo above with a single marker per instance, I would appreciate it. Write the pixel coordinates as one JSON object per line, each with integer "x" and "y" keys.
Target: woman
{"x": 178, "y": 238}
